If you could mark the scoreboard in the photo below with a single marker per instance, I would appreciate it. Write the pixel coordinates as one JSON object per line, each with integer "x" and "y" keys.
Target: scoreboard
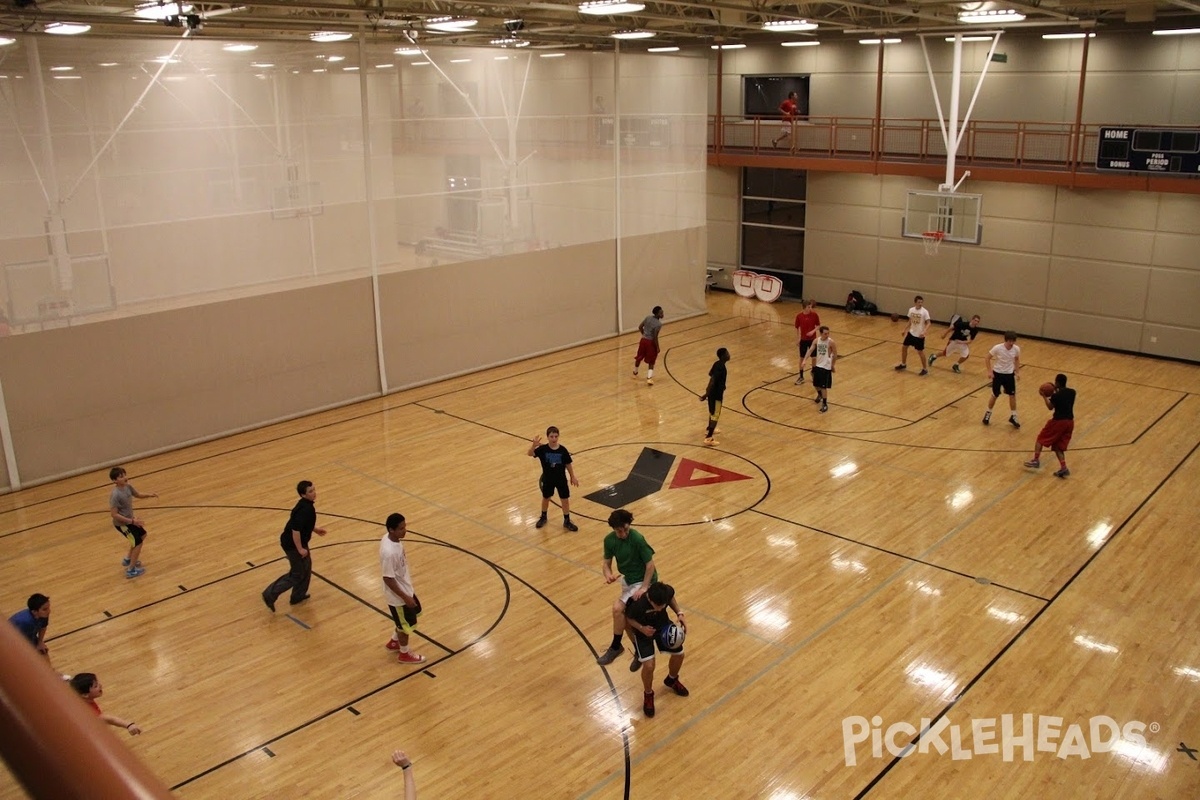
{"x": 1174, "y": 151}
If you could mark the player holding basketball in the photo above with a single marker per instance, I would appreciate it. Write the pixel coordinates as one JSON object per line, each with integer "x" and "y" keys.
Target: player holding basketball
{"x": 715, "y": 394}
{"x": 918, "y": 325}
{"x": 645, "y": 618}
{"x": 398, "y": 588}
{"x": 556, "y": 466}
{"x": 961, "y": 333}
{"x": 1056, "y": 433}
{"x": 120, "y": 505}
{"x": 787, "y": 110}
{"x": 635, "y": 570}
{"x": 807, "y": 323}
{"x": 648, "y": 345}
{"x": 824, "y": 355}
{"x": 1003, "y": 368}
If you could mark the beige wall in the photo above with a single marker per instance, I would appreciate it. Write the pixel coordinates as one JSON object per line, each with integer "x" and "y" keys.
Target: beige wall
{"x": 1114, "y": 269}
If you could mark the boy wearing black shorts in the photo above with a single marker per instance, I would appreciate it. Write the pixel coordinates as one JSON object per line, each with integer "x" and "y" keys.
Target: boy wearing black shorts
{"x": 645, "y": 618}
{"x": 556, "y": 466}
{"x": 120, "y": 505}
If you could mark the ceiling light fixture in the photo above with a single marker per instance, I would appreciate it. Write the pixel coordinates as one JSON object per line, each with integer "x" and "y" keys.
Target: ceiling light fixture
{"x": 409, "y": 51}
{"x": 726, "y": 46}
{"x": 325, "y": 37}
{"x": 970, "y": 38}
{"x": 990, "y": 17}
{"x": 598, "y": 8}
{"x": 61, "y": 69}
{"x": 450, "y": 24}
{"x": 879, "y": 41}
{"x": 108, "y": 64}
{"x": 1177, "y": 32}
{"x": 551, "y": 55}
{"x": 1068, "y": 35}
{"x": 634, "y": 34}
{"x": 335, "y": 59}
{"x": 161, "y": 11}
{"x": 509, "y": 42}
{"x": 239, "y": 48}
{"x": 789, "y": 25}
{"x": 66, "y": 28}
{"x": 255, "y": 64}
{"x": 6, "y": 40}
{"x": 799, "y": 44}
{"x": 662, "y": 49}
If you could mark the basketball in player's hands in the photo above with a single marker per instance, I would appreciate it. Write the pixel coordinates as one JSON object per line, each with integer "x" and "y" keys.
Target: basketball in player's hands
{"x": 1046, "y": 389}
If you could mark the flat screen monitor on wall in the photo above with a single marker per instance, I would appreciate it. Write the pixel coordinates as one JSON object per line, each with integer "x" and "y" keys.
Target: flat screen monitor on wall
{"x": 762, "y": 94}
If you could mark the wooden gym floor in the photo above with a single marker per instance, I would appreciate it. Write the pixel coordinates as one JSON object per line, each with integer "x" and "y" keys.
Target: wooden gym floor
{"x": 889, "y": 563}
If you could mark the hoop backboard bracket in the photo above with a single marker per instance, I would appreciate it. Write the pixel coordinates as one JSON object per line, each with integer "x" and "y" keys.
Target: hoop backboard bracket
{"x": 955, "y": 215}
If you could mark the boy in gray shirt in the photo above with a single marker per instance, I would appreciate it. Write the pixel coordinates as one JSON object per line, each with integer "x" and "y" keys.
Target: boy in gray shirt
{"x": 120, "y": 504}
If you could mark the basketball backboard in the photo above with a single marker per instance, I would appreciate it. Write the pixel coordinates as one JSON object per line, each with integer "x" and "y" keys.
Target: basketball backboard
{"x": 955, "y": 215}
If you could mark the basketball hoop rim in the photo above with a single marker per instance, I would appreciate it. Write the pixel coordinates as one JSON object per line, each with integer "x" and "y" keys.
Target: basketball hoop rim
{"x": 936, "y": 236}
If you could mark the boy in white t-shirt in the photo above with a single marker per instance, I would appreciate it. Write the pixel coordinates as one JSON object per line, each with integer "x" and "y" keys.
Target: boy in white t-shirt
{"x": 914, "y": 337}
{"x": 1004, "y": 367}
{"x": 398, "y": 588}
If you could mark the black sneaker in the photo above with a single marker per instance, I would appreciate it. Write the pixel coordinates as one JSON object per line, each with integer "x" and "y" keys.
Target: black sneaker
{"x": 924, "y": 372}
{"x": 824, "y": 407}
{"x": 1062, "y": 473}
{"x": 270, "y": 603}
{"x": 677, "y": 686}
{"x": 1013, "y": 421}
{"x": 571, "y": 526}
{"x": 932, "y": 359}
{"x": 610, "y": 655}
{"x": 900, "y": 367}
{"x": 987, "y": 419}
{"x": 636, "y": 664}
{"x": 541, "y": 523}
{"x": 648, "y": 704}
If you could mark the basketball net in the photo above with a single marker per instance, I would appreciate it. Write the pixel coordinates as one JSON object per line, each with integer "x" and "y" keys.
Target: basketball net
{"x": 932, "y": 240}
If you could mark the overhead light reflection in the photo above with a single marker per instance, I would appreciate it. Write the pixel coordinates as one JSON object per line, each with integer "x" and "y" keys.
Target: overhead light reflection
{"x": 844, "y": 469}
{"x": 1092, "y": 644}
{"x": 1098, "y": 535}
{"x": 924, "y": 675}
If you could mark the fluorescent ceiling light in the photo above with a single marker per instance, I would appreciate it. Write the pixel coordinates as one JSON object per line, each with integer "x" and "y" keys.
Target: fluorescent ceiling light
{"x": 387, "y": 66}
{"x": 509, "y": 42}
{"x": 1068, "y": 35}
{"x": 450, "y": 24}
{"x": 1177, "y": 32}
{"x": 66, "y": 28}
{"x": 258, "y": 64}
{"x": 6, "y": 40}
{"x": 879, "y": 41}
{"x": 335, "y": 59}
{"x": 68, "y": 77}
{"x": 501, "y": 58}
{"x": 329, "y": 36}
{"x": 156, "y": 11}
{"x": 634, "y": 35}
{"x": 409, "y": 51}
{"x": 460, "y": 61}
{"x": 602, "y": 7}
{"x": 726, "y": 46}
{"x": 551, "y": 55}
{"x": 989, "y": 17}
{"x": 321, "y": 69}
{"x": 239, "y": 48}
{"x": 108, "y": 64}
{"x": 662, "y": 49}
{"x": 349, "y": 69}
{"x": 417, "y": 64}
{"x": 61, "y": 69}
{"x": 789, "y": 25}
{"x": 165, "y": 60}
{"x": 970, "y": 38}
{"x": 799, "y": 44}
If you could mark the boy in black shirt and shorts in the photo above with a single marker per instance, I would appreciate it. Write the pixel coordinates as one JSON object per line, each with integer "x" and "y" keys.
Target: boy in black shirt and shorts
{"x": 556, "y": 466}
{"x": 645, "y": 618}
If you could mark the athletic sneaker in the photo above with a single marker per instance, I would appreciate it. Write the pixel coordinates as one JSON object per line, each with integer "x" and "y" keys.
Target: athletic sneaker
{"x": 410, "y": 658}
{"x": 824, "y": 407}
{"x": 1062, "y": 473}
{"x": 635, "y": 373}
{"x": 676, "y": 685}
{"x": 900, "y": 367}
{"x": 1033, "y": 464}
{"x": 636, "y": 664}
{"x": 267, "y": 599}
{"x": 987, "y": 419}
{"x": 133, "y": 572}
{"x": 932, "y": 359}
{"x": 392, "y": 644}
{"x": 648, "y": 704}
{"x": 125, "y": 562}
{"x": 541, "y": 523}
{"x": 956, "y": 369}
{"x": 800, "y": 380}
{"x": 610, "y": 655}
{"x": 571, "y": 526}
{"x": 710, "y": 442}
{"x": 923, "y": 372}
{"x": 649, "y": 381}
{"x": 817, "y": 399}
{"x": 1013, "y": 421}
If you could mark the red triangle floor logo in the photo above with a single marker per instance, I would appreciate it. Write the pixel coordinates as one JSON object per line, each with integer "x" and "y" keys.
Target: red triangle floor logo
{"x": 693, "y": 473}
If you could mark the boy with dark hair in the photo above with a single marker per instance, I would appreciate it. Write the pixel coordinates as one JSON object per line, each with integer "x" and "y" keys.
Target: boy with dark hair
{"x": 1056, "y": 433}
{"x": 33, "y": 621}
{"x": 807, "y": 323}
{"x": 824, "y": 357}
{"x": 961, "y": 333}
{"x": 715, "y": 394}
{"x": 787, "y": 113}
{"x": 648, "y": 345}
{"x": 635, "y": 570}
{"x": 914, "y": 337}
{"x": 87, "y": 686}
{"x": 120, "y": 505}
{"x": 1003, "y": 368}
{"x": 645, "y": 618}
{"x": 398, "y": 588}
{"x": 301, "y": 525}
{"x": 556, "y": 466}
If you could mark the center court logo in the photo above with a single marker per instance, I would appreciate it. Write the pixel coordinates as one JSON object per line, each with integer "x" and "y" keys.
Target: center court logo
{"x": 1005, "y": 736}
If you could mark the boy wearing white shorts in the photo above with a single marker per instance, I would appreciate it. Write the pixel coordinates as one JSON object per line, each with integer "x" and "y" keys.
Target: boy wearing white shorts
{"x": 635, "y": 571}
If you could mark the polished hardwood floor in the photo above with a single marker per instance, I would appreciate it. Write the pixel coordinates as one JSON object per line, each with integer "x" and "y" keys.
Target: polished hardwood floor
{"x": 851, "y": 579}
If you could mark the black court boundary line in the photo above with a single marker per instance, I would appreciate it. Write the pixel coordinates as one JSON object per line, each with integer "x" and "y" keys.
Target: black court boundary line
{"x": 897, "y": 554}
{"x": 1025, "y": 628}
{"x": 376, "y": 399}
